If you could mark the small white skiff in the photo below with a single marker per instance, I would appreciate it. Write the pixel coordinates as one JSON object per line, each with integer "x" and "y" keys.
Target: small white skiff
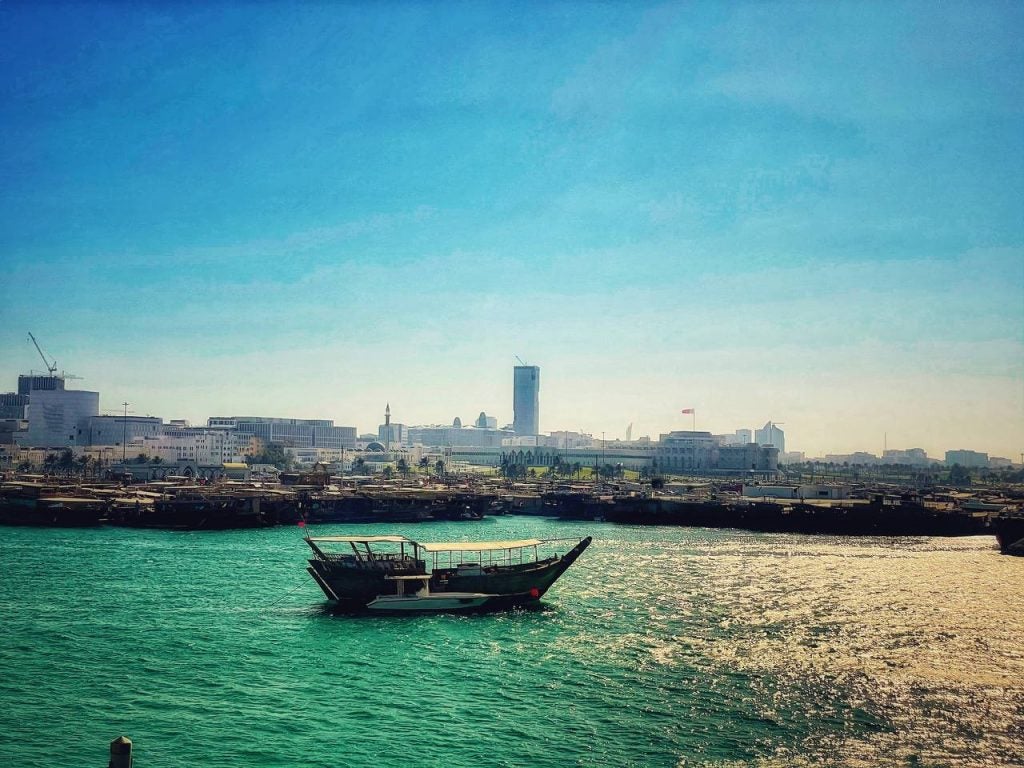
{"x": 422, "y": 601}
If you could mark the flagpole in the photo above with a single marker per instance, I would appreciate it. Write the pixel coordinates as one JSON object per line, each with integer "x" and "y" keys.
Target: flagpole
{"x": 694, "y": 415}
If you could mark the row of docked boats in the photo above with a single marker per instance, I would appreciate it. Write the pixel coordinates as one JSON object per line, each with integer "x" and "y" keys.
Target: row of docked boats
{"x": 188, "y": 506}
{"x": 873, "y": 514}
{"x": 44, "y": 501}
{"x": 396, "y": 574}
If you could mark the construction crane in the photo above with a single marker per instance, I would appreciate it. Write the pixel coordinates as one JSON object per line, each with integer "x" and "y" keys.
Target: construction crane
{"x": 51, "y": 367}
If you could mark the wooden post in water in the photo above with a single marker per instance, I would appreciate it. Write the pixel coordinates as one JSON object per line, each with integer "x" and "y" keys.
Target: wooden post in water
{"x": 120, "y": 753}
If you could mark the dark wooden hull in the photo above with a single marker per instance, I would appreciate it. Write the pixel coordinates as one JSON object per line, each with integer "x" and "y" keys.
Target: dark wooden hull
{"x": 840, "y": 519}
{"x": 201, "y": 514}
{"x": 54, "y": 514}
{"x": 1009, "y": 532}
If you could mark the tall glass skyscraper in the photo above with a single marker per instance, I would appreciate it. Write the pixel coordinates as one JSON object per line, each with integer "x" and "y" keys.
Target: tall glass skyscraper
{"x": 526, "y": 400}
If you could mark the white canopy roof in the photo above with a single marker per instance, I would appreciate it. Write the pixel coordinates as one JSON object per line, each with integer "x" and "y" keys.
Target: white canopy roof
{"x": 475, "y": 546}
{"x": 436, "y": 546}
{"x": 361, "y": 539}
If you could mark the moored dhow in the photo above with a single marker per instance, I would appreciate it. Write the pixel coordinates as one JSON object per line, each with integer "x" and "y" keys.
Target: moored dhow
{"x": 372, "y": 571}
{"x": 42, "y": 504}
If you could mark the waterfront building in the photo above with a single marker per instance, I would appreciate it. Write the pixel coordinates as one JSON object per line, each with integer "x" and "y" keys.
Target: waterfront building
{"x": 202, "y": 445}
{"x": 770, "y": 434}
{"x": 57, "y": 417}
{"x": 526, "y": 400}
{"x": 685, "y": 450}
{"x": 966, "y": 458}
{"x": 740, "y": 458}
{"x": 113, "y": 430}
{"x": 292, "y": 433}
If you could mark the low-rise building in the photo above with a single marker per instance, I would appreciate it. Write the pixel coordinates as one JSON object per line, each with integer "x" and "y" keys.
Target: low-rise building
{"x": 966, "y": 458}
{"x": 437, "y": 436}
{"x": 683, "y": 451}
{"x": 113, "y": 430}
{"x": 293, "y": 433}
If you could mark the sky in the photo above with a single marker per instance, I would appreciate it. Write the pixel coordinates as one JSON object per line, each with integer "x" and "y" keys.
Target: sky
{"x": 811, "y": 213}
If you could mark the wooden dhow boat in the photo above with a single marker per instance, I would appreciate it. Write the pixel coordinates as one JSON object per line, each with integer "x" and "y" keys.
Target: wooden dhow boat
{"x": 372, "y": 572}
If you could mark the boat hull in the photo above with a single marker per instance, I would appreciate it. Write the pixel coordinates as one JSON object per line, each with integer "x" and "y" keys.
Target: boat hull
{"x": 508, "y": 586}
{"x": 53, "y": 513}
{"x": 1009, "y": 532}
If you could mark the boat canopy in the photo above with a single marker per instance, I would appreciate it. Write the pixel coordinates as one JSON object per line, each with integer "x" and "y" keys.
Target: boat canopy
{"x": 476, "y": 546}
{"x": 361, "y": 539}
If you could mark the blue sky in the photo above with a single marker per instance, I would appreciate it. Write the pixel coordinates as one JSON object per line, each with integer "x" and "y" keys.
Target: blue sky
{"x": 812, "y": 213}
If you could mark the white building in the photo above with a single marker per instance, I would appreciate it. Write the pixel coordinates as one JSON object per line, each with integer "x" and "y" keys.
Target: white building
{"x": 914, "y": 456}
{"x": 966, "y": 458}
{"x": 113, "y": 430}
{"x": 58, "y": 417}
{"x": 685, "y": 450}
{"x": 770, "y": 434}
{"x": 204, "y": 446}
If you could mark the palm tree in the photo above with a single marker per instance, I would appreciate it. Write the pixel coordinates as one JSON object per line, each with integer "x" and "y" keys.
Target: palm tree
{"x": 403, "y": 467}
{"x": 67, "y": 460}
{"x": 424, "y": 464}
{"x": 50, "y": 462}
{"x": 439, "y": 468}
{"x": 83, "y": 462}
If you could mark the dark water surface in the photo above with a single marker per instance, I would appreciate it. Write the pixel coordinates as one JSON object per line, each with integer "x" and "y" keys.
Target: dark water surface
{"x": 660, "y": 647}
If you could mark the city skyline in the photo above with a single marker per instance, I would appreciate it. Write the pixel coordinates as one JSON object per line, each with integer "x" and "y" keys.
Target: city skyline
{"x": 309, "y": 211}
{"x": 770, "y": 427}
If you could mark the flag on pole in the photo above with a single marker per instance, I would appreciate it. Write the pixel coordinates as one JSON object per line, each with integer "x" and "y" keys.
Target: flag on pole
{"x": 687, "y": 410}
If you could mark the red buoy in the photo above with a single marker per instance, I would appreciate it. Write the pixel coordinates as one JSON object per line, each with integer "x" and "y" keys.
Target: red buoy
{"x": 534, "y": 593}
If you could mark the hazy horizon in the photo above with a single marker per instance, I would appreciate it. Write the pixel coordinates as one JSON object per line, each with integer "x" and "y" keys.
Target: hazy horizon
{"x": 802, "y": 213}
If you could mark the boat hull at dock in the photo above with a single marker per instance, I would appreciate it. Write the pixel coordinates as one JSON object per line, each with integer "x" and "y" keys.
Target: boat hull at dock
{"x": 56, "y": 512}
{"x": 49, "y": 505}
{"x": 1009, "y": 532}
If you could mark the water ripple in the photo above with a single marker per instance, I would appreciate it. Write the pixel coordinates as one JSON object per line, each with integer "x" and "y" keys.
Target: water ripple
{"x": 661, "y": 647}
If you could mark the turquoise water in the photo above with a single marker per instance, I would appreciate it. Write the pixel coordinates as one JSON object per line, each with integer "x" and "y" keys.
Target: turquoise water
{"x": 660, "y": 647}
